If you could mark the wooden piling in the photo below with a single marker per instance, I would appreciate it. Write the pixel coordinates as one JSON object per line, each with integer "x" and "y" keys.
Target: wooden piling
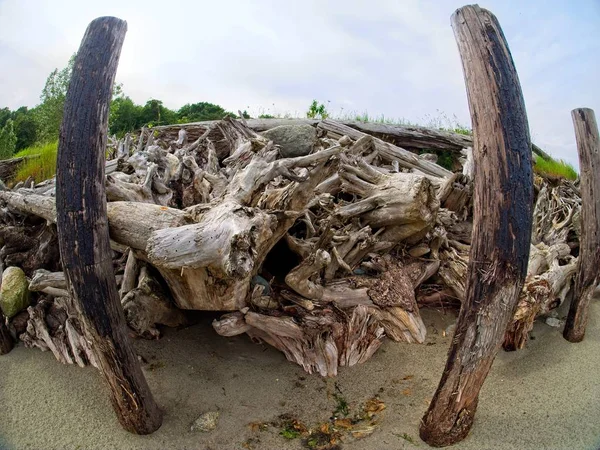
{"x": 588, "y": 265}
{"x": 502, "y": 210}
{"x": 83, "y": 226}
{"x": 6, "y": 341}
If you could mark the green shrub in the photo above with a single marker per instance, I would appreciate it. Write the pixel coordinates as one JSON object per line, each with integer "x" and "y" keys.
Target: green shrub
{"x": 41, "y": 164}
{"x": 317, "y": 111}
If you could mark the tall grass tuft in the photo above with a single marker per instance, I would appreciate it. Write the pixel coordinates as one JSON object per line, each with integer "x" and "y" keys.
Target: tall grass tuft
{"x": 554, "y": 168}
{"x": 41, "y": 164}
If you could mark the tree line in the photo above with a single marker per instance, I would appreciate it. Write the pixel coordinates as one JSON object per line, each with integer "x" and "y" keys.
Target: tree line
{"x": 25, "y": 127}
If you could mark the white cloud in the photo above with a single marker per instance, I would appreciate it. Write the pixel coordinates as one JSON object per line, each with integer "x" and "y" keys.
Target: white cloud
{"x": 393, "y": 58}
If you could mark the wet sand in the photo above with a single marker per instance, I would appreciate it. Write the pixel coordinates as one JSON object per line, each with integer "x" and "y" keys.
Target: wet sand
{"x": 546, "y": 396}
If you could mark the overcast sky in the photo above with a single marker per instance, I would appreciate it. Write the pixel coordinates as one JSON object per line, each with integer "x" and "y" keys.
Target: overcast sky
{"x": 397, "y": 58}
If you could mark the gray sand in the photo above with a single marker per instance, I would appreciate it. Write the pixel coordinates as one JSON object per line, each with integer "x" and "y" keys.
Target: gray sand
{"x": 546, "y": 396}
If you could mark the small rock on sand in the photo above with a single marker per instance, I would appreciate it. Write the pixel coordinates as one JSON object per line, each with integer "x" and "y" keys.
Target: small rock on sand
{"x": 206, "y": 422}
{"x": 553, "y": 322}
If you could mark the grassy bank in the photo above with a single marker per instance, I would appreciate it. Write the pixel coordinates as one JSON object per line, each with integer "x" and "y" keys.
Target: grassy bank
{"x": 554, "y": 168}
{"x": 41, "y": 164}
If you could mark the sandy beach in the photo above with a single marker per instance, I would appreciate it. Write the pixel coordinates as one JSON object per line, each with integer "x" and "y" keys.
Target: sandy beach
{"x": 546, "y": 396}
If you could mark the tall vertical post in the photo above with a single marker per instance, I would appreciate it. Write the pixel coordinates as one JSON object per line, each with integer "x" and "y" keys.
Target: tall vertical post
{"x": 588, "y": 266}
{"x": 502, "y": 220}
{"x": 83, "y": 225}
{"x": 6, "y": 340}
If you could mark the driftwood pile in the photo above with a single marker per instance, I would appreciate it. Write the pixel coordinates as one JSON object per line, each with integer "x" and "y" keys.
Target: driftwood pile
{"x": 320, "y": 255}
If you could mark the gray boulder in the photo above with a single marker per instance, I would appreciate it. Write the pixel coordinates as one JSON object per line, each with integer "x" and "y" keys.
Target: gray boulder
{"x": 293, "y": 140}
{"x": 14, "y": 292}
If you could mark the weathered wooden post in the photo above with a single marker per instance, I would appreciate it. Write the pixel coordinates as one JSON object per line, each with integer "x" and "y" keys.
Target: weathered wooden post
{"x": 588, "y": 270}
{"x": 83, "y": 226}
{"x": 6, "y": 340}
{"x": 503, "y": 207}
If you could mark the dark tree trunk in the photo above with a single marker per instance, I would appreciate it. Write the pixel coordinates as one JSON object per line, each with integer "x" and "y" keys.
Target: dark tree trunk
{"x": 588, "y": 274}
{"x": 83, "y": 225}
{"x": 503, "y": 203}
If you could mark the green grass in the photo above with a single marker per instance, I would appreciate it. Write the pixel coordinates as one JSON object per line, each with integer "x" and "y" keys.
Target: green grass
{"x": 554, "y": 168}
{"x": 41, "y": 165}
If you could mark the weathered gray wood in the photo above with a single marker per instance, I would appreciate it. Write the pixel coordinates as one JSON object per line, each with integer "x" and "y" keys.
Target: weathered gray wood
{"x": 502, "y": 222}
{"x": 412, "y": 137}
{"x": 9, "y": 167}
{"x": 388, "y": 151}
{"x": 588, "y": 270}
{"x": 83, "y": 226}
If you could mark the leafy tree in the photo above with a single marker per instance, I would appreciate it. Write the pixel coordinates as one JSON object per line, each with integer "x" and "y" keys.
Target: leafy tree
{"x": 154, "y": 113}
{"x": 50, "y": 111}
{"x": 198, "y": 112}
{"x": 25, "y": 127}
{"x": 8, "y": 140}
{"x": 124, "y": 116}
{"x": 5, "y": 114}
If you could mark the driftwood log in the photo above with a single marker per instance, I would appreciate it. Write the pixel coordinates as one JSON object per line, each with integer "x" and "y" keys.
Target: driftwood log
{"x": 413, "y": 138}
{"x": 321, "y": 255}
{"x": 83, "y": 229}
{"x": 502, "y": 220}
{"x": 226, "y": 224}
{"x": 221, "y": 222}
{"x": 588, "y": 269}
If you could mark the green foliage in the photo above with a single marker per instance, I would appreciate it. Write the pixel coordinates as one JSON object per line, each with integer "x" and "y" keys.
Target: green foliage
{"x": 554, "y": 168}
{"x": 317, "y": 110}
{"x": 8, "y": 140}
{"x": 41, "y": 164}
{"x": 26, "y": 127}
{"x": 341, "y": 407}
{"x": 124, "y": 116}
{"x": 5, "y": 114}
{"x": 266, "y": 116}
{"x": 154, "y": 113}
{"x": 289, "y": 433}
{"x": 50, "y": 111}
{"x": 201, "y": 111}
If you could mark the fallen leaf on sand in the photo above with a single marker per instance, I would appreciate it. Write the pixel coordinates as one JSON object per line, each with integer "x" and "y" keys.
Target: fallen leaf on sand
{"x": 345, "y": 424}
{"x": 373, "y": 406}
